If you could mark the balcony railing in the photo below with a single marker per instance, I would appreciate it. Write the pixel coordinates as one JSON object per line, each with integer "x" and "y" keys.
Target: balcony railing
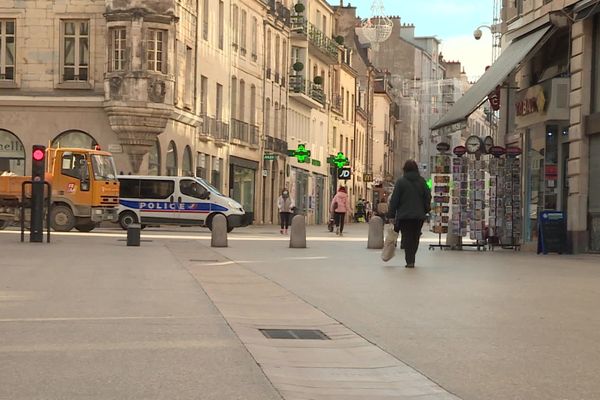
{"x": 216, "y": 129}
{"x": 300, "y": 85}
{"x": 315, "y": 36}
{"x": 244, "y": 132}
{"x": 280, "y": 12}
{"x": 276, "y": 145}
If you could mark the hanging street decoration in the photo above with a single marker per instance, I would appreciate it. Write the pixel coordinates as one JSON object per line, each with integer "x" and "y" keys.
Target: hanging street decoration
{"x": 301, "y": 154}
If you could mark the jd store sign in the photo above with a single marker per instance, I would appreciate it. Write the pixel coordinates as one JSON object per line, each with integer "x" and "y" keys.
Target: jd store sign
{"x": 344, "y": 173}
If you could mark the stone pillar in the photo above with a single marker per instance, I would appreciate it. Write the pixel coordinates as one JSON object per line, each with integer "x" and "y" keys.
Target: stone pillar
{"x": 578, "y": 162}
{"x": 219, "y": 231}
{"x": 375, "y": 240}
{"x": 298, "y": 233}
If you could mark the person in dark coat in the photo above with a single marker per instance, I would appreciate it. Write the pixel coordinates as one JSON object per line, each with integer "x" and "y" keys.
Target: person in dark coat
{"x": 410, "y": 202}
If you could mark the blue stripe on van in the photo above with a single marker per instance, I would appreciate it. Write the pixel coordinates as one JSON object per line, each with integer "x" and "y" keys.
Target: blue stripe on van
{"x": 165, "y": 206}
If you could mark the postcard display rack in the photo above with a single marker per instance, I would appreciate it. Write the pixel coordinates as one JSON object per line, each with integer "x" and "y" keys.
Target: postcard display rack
{"x": 440, "y": 210}
{"x": 512, "y": 221}
{"x": 460, "y": 196}
{"x": 496, "y": 198}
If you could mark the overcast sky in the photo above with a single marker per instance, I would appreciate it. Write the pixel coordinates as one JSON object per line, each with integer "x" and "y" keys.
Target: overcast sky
{"x": 452, "y": 21}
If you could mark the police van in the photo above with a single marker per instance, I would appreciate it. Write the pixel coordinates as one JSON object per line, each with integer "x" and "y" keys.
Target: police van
{"x": 175, "y": 200}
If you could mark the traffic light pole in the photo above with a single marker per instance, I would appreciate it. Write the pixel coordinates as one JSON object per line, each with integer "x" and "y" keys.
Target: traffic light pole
{"x": 22, "y": 213}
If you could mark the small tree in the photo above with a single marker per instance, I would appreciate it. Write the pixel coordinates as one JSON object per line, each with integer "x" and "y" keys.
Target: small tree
{"x": 339, "y": 40}
{"x": 298, "y": 66}
{"x": 318, "y": 80}
{"x": 299, "y": 8}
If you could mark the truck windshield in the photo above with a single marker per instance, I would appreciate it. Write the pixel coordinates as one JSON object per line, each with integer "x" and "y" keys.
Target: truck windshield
{"x": 104, "y": 167}
{"x": 209, "y": 186}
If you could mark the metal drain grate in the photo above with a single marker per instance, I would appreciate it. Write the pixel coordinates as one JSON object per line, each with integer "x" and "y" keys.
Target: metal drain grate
{"x": 303, "y": 334}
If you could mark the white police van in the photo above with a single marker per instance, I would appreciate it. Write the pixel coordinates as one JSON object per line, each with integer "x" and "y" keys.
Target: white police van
{"x": 175, "y": 200}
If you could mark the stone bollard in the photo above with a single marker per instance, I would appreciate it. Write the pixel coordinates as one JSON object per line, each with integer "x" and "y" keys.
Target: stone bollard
{"x": 298, "y": 235}
{"x": 219, "y": 231}
{"x": 375, "y": 233}
{"x": 133, "y": 235}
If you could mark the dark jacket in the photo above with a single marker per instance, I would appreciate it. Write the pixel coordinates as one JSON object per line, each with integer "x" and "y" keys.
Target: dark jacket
{"x": 411, "y": 198}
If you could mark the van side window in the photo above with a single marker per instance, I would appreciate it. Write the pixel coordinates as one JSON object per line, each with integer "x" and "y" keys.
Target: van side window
{"x": 129, "y": 188}
{"x": 74, "y": 165}
{"x": 155, "y": 189}
{"x": 193, "y": 189}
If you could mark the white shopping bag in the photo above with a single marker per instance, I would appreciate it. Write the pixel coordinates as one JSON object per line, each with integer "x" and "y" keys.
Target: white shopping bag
{"x": 389, "y": 245}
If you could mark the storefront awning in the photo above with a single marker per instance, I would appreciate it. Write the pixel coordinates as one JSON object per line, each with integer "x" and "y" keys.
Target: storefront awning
{"x": 586, "y": 9}
{"x": 514, "y": 54}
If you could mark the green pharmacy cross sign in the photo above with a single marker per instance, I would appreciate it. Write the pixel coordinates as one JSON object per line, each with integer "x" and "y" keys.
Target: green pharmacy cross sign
{"x": 301, "y": 154}
{"x": 340, "y": 160}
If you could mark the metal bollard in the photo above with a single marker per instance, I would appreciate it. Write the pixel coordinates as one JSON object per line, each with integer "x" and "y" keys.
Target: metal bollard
{"x": 298, "y": 233}
{"x": 375, "y": 233}
{"x": 218, "y": 236}
{"x": 133, "y": 234}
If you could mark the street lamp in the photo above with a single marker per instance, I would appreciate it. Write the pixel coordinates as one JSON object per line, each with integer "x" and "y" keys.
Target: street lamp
{"x": 496, "y": 37}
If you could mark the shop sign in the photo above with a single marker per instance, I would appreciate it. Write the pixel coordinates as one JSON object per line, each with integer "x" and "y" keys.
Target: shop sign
{"x": 316, "y": 163}
{"x": 443, "y": 147}
{"x": 11, "y": 148}
{"x": 494, "y": 99}
{"x": 535, "y": 102}
{"x": 368, "y": 177}
{"x": 497, "y": 151}
{"x": 301, "y": 154}
{"x": 551, "y": 172}
{"x": 339, "y": 160}
{"x": 460, "y": 151}
{"x": 344, "y": 173}
{"x": 115, "y": 148}
{"x": 552, "y": 233}
{"x": 269, "y": 157}
{"x": 513, "y": 151}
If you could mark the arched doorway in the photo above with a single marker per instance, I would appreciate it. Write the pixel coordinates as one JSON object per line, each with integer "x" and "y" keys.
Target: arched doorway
{"x": 186, "y": 165}
{"x": 12, "y": 154}
{"x": 172, "y": 159}
{"x": 75, "y": 138}
{"x": 154, "y": 159}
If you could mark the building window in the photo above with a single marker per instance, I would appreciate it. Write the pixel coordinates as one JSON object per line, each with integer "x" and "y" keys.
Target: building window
{"x": 76, "y": 50}
{"x": 186, "y": 165}
{"x": 203, "y": 95}
{"x": 268, "y": 60}
{"x": 276, "y": 119}
{"x": 76, "y": 139}
{"x": 221, "y": 23}
{"x": 235, "y": 27}
{"x": 172, "y": 159}
{"x": 277, "y": 54}
{"x": 254, "y": 38}
{"x": 7, "y": 49}
{"x": 205, "y": 20}
{"x": 596, "y": 70}
{"x": 233, "y": 96}
{"x": 118, "y": 41}
{"x": 283, "y": 115}
{"x": 252, "y": 105}
{"x": 242, "y": 101}
{"x": 189, "y": 77}
{"x": 155, "y": 54}
{"x": 244, "y": 32}
{"x": 334, "y": 136}
{"x": 201, "y": 165}
{"x": 215, "y": 178}
{"x": 219, "y": 103}
{"x": 268, "y": 117}
{"x": 284, "y": 57}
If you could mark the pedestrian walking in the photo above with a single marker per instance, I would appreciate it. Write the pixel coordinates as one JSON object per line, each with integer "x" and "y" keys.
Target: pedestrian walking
{"x": 410, "y": 202}
{"x": 339, "y": 207}
{"x": 286, "y": 207}
{"x": 368, "y": 210}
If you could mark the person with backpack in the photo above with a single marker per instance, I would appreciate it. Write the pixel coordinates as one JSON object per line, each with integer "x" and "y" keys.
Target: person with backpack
{"x": 409, "y": 205}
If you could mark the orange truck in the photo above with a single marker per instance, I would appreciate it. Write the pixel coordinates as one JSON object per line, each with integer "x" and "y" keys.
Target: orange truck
{"x": 85, "y": 190}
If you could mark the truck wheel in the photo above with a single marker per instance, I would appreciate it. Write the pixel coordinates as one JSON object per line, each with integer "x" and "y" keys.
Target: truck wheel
{"x": 62, "y": 219}
{"x": 87, "y": 227}
{"x": 127, "y": 218}
{"x": 4, "y": 223}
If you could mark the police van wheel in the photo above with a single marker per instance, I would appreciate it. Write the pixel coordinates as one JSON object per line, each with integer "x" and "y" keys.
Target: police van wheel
{"x": 62, "y": 218}
{"x": 127, "y": 218}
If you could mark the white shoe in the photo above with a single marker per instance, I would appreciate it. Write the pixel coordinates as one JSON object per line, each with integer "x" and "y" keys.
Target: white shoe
{"x": 389, "y": 246}
{"x": 337, "y": 231}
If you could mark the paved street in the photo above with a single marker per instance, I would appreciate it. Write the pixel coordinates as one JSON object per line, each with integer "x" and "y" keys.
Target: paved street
{"x": 488, "y": 325}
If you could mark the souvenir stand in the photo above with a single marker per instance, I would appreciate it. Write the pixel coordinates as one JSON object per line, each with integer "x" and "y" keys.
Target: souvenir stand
{"x": 512, "y": 221}
{"x": 460, "y": 192}
{"x": 497, "y": 167}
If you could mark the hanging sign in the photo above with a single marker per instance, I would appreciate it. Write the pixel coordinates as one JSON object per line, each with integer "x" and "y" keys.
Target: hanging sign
{"x": 301, "y": 154}
{"x": 497, "y": 151}
{"x": 513, "y": 151}
{"x": 460, "y": 151}
{"x": 443, "y": 147}
{"x": 344, "y": 173}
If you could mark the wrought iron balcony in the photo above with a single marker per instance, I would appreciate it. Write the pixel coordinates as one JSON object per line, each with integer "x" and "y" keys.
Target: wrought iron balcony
{"x": 300, "y": 85}
{"x": 244, "y": 132}
{"x": 216, "y": 129}
{"x": 315, "y": 36}
{"x": 276, "y": 145}
{"x": 280, "y": 12}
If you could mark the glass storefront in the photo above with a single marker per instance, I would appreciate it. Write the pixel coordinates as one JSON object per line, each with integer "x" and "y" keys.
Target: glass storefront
{"x": 242, "y": 183}
{"x": 12, "y": 154}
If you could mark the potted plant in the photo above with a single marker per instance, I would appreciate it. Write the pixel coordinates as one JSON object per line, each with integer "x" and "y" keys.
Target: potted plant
{"x": 339, "y": 39}
{"x": 318, "y": 80}
{"x": 298, "y": 66}
{"x": 299, "y": 8}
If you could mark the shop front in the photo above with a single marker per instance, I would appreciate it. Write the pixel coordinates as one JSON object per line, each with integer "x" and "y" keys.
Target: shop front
{"x": 12, "y": 154}
{"x": 242, "y": 183}
{"x": 542, "y": 119}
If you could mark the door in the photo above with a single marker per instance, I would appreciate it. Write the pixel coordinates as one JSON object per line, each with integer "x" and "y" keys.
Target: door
{"x": 193, "y": 204}
{"x": 157, "y": 201}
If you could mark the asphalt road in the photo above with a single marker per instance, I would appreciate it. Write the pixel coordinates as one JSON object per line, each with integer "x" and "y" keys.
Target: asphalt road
{"x": 484, "y": 325}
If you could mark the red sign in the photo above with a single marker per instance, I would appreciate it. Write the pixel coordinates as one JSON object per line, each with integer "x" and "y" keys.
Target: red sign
{"x": 494, "y": 99}
{"x": 513, "y": 151}
{"x": 497, "y": 151}
{"x": 460, "y": 151}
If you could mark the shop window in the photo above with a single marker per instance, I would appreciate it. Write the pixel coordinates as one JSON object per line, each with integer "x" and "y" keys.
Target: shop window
{"x": 75, "y": 139}
{"x": 243, "y": 187}
{"x": 216, "y": 174}
{"x": 172, "y": 159}
{"x": 12, "y": 154}
{"x": 7, "y": 49}
{"x": 75, "y": 59}
{"x": 186, "y": 164}
{"x": 154, "y": 159}
{"x": 201, "y": 167}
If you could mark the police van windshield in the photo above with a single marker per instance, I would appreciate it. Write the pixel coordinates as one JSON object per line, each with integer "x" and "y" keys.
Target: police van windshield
{"x": 209, "y": 186}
